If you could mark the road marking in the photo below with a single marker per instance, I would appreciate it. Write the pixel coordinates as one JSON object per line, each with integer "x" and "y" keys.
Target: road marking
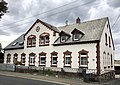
{"x": 35, "y": 79}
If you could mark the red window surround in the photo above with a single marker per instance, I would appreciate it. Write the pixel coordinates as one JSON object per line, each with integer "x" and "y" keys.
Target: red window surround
{"x": 67, "y": 53}
{"x": 54, "y": 53}
{"x": 31, "y": 41}
{"x": 23, "y": 54}
{"x": 44, "y": 39}
{"x": 32, "y": 54}
{"x": 15, "y": 57}
{"x": 42, "y": 54}
{"x": 79, "y": 57}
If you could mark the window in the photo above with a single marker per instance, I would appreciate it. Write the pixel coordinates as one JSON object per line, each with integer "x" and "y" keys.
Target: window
{"x": 83, "y": 58}
{"x": 15, "y": 58}
{"x": 8, "y": 58}
{"x": 63, "y": 38}
{"x": 67, "y": 58}
{"x": 32, "y": 59}
{"x": 104, "y": 59}
{"x": 44, "y": 39}
{"x": 109, "y": 42}
{"x": 42, "y": 58}
{"x": 54, "y": 58}
{"x": 76, "y": 36}
{"x": 106, "y": 39}
{"x": 23, "y": 58}
{"x": 111, "y": 61}
{"x": 31, "y": 41}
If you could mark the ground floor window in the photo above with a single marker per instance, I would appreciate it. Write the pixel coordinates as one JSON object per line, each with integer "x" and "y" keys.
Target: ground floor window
{"x": 15, "y": 58}
{"x": 32, "y": 59}
{"x": 67, "y": 58}
{"x": 54, "y": 58}
{"x": 83, "y": 58}
{"x": 8, "y": 58}
{"x": 23, "y": 58}
{"x": 42, "y": 58}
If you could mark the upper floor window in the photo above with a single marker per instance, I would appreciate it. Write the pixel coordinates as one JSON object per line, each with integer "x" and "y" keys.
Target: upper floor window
{"x": 106, "y": 43}
{"x": 77, "y": 34}
{"x": 83, "y": 58}
{"x": 8, "y": 58}
{"x": 31, "y": 41}
{"x": 32, "y": 59}
{"x": 67, "y": 58}
{"x": 44, "y": 39}
{"x": 54, "y": 58}
{"x": 23, "y": 58}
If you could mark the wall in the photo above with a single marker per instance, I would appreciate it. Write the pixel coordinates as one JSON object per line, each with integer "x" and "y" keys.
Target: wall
{"x": 12, "y": 52}
{"x": 105, "y": 48}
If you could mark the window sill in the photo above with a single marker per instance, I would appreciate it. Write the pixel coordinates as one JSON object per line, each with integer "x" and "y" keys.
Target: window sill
{"x": 30, "y": 46}
{"x": 42, "y": 65}
{"x": 67, "y": 66}
{"x": 32, "y": 65}
{"x": 53, "y": 65}
{"x": 44, "y": 45}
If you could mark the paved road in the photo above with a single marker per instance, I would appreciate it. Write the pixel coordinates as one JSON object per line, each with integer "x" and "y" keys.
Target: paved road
{"x": 7, "y": 80}
{"x": 113, "y": 82}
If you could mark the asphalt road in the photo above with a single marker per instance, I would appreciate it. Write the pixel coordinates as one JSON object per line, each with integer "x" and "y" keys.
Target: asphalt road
{"x": 8, "y": 80}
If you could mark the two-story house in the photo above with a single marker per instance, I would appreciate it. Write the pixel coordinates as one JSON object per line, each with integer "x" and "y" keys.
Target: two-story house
{"x": 83, "y": 45}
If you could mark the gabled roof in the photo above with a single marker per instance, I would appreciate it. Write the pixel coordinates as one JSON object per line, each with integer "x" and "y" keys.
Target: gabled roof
{"x": 51, "y": 27}
{"x": 16, "y": 44}
{"x": 92, "y": 30}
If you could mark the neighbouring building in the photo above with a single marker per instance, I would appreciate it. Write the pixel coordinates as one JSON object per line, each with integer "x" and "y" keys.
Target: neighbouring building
{"x": 83, "y": 45}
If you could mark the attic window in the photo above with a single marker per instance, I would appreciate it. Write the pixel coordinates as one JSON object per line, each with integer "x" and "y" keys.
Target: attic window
{"x": 21, "y": 43}
{"x": 14, "y": 43}
{"x": 77, "y": 34}
{"x": 31, "y": 41}
{"x": 63, "y": 38}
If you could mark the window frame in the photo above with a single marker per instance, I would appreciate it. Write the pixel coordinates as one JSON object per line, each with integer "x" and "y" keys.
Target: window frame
{"x": 42, "y": 54}
{"x": 15, "y": 58}
{"x": 86, "y": 52}
{"x": 45, "y": 41}
{"x": 66, "y": 53}
{"x": 23, "y": 55}
{"x": 54, "y": 55}
{"x": 8, "y": 58}
{"x": 33, "y": 57}
{"x": 30, "y": 42}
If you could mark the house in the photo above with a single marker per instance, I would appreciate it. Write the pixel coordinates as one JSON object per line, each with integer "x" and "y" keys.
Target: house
{"x": 117, "y": 66}
{"x": 83, "y": 45}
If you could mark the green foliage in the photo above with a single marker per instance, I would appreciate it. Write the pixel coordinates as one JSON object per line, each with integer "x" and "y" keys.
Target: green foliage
{"x": 3, "y": 8}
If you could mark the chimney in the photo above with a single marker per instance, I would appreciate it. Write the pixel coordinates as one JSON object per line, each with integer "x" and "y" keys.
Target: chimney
{"x": 78, "y": 20}
{"x": 66, "y": 22}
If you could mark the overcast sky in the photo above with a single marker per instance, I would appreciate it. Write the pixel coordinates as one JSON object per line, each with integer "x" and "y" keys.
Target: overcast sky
{"x": 23, "y": 13}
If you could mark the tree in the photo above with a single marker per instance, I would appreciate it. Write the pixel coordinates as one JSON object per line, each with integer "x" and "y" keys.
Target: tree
{"x": 3, "y": 8}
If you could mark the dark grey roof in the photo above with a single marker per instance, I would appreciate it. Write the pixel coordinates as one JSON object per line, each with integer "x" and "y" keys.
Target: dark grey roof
{"x": 92, "y": 30}
{"x": 16, "y": 44}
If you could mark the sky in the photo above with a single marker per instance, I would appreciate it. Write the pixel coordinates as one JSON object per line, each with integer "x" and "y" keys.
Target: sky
{"x": 23, "y": 13}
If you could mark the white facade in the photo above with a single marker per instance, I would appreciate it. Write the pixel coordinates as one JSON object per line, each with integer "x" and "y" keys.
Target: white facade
{"x": 89, "y": 47}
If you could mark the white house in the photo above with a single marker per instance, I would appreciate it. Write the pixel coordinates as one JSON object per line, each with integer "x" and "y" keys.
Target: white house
{"x": 83, "y": 45}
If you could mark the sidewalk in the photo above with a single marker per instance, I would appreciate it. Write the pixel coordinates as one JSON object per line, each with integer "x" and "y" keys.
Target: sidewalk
{"x": 47, "y": 78}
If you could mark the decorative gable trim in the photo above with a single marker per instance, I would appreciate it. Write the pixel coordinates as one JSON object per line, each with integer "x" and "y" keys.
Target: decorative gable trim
{"x": 45, "y": 24}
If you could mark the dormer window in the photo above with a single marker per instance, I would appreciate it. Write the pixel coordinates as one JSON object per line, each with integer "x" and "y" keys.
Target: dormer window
{"x": 31, "y": 41}
{"x": 63, "y": 36}
{"x": 77, "y": 34}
